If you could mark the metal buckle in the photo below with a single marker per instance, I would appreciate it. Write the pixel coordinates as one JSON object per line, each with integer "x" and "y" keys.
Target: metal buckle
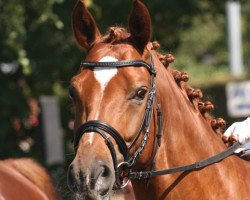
{"x": 123, "y": 173}
{"x": 122, "y": 163}
{"x": 125, "y": 182}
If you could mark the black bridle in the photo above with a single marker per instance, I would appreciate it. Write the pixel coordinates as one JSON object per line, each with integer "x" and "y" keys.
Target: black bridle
{"x": 123, "y": 169}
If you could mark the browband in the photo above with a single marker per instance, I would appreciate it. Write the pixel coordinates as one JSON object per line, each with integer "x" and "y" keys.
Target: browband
{"x": 126, "y": 63}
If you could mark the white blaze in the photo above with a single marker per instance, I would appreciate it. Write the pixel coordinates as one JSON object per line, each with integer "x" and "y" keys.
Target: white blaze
{"x": 103, "y": 75}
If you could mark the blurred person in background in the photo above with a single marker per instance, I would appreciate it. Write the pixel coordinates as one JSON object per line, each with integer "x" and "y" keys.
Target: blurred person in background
{"x": 240, "y": 131}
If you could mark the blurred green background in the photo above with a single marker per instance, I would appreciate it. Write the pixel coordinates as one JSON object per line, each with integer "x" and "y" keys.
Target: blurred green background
{"x": 38, "y": 56}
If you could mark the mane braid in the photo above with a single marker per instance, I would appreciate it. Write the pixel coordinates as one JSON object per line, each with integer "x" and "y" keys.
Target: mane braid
{"x": 116, "y": 34}
{"x": 195, "y": 95}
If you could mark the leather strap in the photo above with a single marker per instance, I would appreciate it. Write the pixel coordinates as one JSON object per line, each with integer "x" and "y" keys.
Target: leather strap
{"x": 110, "y": 147}
{"x": 195, "y": 166}
{"x": 128, "y": 63}
{"x": 93, "y": 125}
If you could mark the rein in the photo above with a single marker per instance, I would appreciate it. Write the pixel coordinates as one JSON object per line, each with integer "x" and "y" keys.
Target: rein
{"x": 195, "y": 166}
{"x": 123, "y": 169}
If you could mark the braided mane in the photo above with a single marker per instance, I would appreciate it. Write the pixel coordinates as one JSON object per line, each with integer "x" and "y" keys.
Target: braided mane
{"x": 115, "y": 34}
{"x": 194, "y": 94}
{"x": 119, "y": 34}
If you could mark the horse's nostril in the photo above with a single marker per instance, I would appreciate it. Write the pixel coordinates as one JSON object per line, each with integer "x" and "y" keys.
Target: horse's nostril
{"x": 104, "y": 192}
{"x": 103, "y": 178}
{"x": 100, "y": 170}
{"x": 71, "y": 179}
{"x": 106, "y": 171}
{"x": 95, "y": 179}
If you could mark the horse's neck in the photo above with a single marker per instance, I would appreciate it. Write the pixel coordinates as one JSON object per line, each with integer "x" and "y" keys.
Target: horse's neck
{"x": 187, "y": 138}
{"x": 185, "y": 129}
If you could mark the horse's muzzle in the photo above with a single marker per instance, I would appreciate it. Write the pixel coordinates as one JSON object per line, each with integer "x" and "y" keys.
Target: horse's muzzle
{"x": 94, "y": 182}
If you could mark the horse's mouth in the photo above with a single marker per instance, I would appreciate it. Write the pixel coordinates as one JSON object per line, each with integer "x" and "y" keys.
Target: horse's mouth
{"x": 91, "y": 196}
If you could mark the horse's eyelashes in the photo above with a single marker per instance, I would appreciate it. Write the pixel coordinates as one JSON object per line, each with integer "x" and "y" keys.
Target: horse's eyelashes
{"x": 72, "y": 92}
{"x": 140, "y": 93}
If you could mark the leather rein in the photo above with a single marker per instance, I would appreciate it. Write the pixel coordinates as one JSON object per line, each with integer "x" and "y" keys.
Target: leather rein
{"x": 123, "y": 169}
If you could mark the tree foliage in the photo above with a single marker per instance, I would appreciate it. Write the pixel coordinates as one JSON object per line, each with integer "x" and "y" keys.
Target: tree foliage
{"x": 38, "y": 56}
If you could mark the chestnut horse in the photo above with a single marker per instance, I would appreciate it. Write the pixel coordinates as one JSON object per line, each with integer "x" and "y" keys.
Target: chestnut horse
{"x": 24, "y": 179}
{"x": 118, "y": 100}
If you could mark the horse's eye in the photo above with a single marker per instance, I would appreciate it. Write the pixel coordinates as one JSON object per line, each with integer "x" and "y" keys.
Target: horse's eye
{"x": 141, "y": 93}
{"x": 72, "y": 92}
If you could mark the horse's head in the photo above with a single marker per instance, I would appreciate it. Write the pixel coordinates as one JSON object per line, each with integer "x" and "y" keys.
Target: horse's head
{"x": 110, "y": 100}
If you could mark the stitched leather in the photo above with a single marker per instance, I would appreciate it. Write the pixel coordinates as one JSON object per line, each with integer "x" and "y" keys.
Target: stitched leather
{"x": 127, "y": 63}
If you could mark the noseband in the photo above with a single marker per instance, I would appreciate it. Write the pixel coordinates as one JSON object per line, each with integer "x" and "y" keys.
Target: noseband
{"x": 105, "y": 130}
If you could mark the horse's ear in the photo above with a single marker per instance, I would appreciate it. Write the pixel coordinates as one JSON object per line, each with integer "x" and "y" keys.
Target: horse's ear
{"x": 84, "y": 26}
{"x": 140, "y": 24}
